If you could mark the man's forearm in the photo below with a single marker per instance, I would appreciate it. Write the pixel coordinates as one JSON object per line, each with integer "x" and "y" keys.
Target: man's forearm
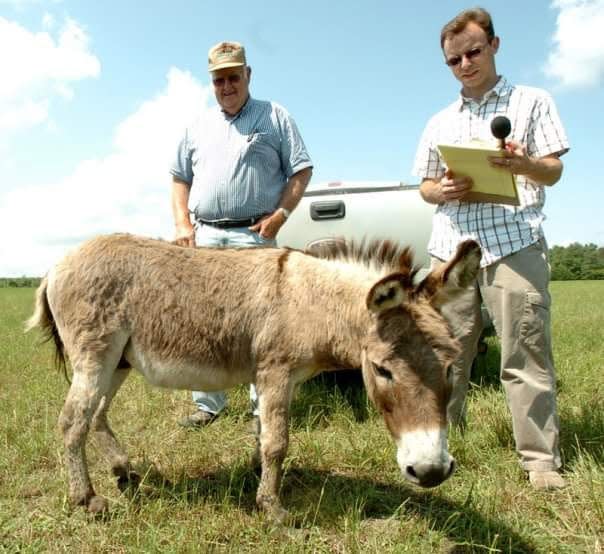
{"x": 430, "y": 191}
{"x": 545, "y": 171}
{"x": 294, "y": 190}
{"x": 269, "y": 226}
{"x": 180, "y": 201}
{"x": 184, "y": 234}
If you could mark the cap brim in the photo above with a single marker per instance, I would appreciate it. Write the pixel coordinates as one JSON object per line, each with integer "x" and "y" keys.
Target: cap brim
{"x": 224, "y": 66}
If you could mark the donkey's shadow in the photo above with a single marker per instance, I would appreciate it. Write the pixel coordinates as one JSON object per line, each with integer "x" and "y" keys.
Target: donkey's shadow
{"x": 323, "y": 393}
{"x": 332, "y": 496}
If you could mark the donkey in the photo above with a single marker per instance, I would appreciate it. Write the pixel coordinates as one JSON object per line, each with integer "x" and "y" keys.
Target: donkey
{"x": 209, "y": 319}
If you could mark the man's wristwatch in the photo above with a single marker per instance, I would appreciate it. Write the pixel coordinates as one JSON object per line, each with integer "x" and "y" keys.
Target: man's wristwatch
{"x": 286, "y": 213}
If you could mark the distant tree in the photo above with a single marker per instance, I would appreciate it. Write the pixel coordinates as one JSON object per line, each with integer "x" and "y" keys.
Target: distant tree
{"x": 19, "y": 282}
{"x": 577, "y": 262}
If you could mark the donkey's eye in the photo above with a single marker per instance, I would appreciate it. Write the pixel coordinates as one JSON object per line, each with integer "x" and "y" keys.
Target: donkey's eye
{"x": 383, "y": 372}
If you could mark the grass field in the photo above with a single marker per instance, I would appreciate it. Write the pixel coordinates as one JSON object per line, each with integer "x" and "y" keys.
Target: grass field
{"x": 341, "y": 482}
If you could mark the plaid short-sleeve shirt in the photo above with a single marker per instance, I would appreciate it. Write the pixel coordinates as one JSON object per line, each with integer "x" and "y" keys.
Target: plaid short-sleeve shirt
{"x": 500, "y": 229}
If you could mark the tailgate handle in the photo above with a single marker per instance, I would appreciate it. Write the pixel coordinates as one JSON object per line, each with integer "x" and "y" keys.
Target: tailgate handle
{"x": 327, "y": 209}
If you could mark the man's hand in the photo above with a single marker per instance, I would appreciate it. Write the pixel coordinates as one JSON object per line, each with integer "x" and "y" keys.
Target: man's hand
{"x": 514, "y": 159}
{"x": 542, "y": 171}
{"x": 447, "y": 189}
{"x": 184, "y": 234}
{"x": 269, "y": 226}
{"x": 452, "y": 188}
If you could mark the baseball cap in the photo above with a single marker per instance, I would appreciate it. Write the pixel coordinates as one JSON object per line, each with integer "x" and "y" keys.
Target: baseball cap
{"x": 226, "y": 54}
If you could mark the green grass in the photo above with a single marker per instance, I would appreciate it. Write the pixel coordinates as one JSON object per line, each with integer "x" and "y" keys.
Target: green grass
{"x": 341, "y": 481}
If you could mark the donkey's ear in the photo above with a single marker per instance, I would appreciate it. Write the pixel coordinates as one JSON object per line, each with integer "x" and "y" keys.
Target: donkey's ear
{"x": 387, "y": 293}
{"x": 451, "y": 279}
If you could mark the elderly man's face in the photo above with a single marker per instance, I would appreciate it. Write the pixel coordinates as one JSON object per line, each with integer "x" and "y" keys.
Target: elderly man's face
{"x": 231, "y": 87}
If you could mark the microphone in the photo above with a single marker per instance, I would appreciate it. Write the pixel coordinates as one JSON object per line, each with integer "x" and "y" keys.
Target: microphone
{"x": 501, "y": 128}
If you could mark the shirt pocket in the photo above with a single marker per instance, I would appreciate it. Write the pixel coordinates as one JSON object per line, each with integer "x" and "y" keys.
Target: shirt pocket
{"x": 260, "y": 145}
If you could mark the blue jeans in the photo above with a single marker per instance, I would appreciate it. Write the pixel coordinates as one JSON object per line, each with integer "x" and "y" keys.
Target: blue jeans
{"x": 215, "y": 402}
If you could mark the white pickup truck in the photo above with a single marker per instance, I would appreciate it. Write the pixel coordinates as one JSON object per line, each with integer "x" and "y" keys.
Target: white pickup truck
{"x": 361, "y": 210}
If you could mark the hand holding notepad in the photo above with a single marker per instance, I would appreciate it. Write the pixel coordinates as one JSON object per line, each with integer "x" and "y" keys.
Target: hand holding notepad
{"x": 490, "y": 184}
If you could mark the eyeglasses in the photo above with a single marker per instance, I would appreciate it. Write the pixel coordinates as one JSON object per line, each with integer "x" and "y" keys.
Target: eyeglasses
{"x": 232, "y": 79}
{"x": 454, "y": 61}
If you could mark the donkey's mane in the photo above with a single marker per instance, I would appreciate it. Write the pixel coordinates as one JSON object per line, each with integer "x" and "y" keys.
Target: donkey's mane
{"x": 384, "y": 255}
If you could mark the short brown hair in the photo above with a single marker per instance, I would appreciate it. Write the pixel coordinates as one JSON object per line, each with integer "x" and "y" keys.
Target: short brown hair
{"x": 480, "y": 16}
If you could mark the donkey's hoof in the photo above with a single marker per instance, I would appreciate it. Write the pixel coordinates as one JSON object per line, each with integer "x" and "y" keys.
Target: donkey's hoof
{"x": 97, "y": 505}
{"x": 275, "y": 512}
{"x": 278, "y": 515}
{"x": 128, "y": 482}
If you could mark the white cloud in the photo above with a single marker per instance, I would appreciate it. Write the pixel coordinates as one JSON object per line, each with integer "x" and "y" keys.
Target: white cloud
{"x": 48, "y": 21}
{"x": 40, "y": 68}
{"x": 129, "y": 190}
{"x": 578, "y": 56}
{"x": 25, "y": 114}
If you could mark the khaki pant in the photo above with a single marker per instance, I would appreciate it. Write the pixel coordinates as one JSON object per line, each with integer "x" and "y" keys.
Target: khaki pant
{"x": 515, "y": 293}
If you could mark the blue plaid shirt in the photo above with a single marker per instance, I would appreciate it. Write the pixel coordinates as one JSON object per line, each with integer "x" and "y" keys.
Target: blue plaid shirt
{"x": 239, "y": 165}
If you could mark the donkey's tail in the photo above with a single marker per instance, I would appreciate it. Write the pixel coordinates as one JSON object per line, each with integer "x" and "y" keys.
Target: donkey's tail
{"x": 45, "y": 321}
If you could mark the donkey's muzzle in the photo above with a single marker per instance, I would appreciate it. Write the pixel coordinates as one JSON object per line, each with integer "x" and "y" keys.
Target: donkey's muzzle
{"x": 429, "y": 474}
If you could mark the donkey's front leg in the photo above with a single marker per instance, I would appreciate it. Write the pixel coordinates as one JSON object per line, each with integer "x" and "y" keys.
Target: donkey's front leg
{"x": 127, "y": 479}
{"x": 274, "y": 395}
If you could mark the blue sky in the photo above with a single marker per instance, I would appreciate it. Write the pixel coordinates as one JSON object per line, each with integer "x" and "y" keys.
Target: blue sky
{"x": 93, "y": 96}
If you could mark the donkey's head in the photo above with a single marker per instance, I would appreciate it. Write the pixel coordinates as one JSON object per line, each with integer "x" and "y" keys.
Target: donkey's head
{"x": 407, "y": 358}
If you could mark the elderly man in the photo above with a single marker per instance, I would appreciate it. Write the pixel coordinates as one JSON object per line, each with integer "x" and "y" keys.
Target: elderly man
{"x": 514, "y": 276}
{"x": 247, "y": 166}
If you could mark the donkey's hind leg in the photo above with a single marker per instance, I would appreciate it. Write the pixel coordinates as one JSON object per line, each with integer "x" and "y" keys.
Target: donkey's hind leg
{"x": 92, "y": 378}
{"x": 105, "y": 439}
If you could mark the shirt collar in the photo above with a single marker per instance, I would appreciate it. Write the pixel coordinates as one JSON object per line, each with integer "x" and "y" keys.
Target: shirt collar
{"x": 502, "y": 88}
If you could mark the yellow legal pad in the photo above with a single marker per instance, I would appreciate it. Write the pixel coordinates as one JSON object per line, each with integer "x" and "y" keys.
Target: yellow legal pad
{"x": 491, "y": 184}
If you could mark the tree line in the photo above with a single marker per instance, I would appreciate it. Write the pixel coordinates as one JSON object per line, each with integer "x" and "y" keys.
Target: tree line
{"x": 19, "y": 282}
{"x": 574, "y": 262}
{"x": 577, "y": 262}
